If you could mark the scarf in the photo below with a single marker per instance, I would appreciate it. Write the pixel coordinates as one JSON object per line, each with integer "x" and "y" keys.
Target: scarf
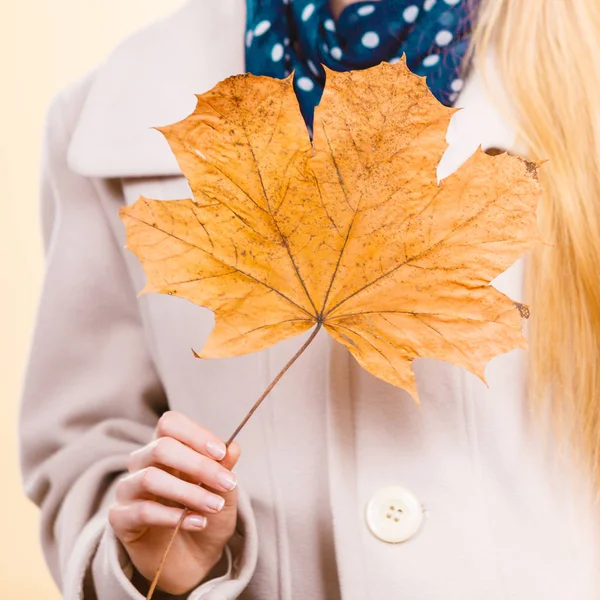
{"x": 298, "y": 35}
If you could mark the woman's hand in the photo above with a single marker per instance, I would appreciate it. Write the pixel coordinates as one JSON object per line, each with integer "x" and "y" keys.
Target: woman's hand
{"x": 163, "y": 476}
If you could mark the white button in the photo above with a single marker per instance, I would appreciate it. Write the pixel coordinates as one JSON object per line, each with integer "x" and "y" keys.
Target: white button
{"x": 394, "y": 514}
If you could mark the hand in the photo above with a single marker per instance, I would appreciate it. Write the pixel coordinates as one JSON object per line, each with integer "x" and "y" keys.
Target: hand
{"x": 163, "y": 476}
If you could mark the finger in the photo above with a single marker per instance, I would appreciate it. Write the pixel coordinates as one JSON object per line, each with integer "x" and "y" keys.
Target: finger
{"x": 151, "y": 483}
{"x": 134, "y": 517}
{"x": 177, "y": 425}
{"x": 233, "y": 455}
{"x": 175, "y": 455}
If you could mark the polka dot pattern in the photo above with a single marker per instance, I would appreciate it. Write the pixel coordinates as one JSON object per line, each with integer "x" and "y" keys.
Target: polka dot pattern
{"x": 431, "y": 61}
{"x": 285, "y": 36}
{"x": 262, "y": 28}
{"x": 336, "y": 53}
{"x": 410, "y": 13}
{"x": 329, "y": 25}
{"x": 456, "y": 85}
{"x": 306, "y": 84}
{"x": 366, "y": 10}
{"x": 308, "y": 11}
{"x": 443, "y": 38}
{"x": 370, "y": 39}
{"x": 312, "y": 67}
{"x": 277, "y": 52}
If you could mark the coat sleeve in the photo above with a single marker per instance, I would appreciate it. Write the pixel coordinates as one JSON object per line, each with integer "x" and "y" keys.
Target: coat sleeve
{"x": 91, "y": 393}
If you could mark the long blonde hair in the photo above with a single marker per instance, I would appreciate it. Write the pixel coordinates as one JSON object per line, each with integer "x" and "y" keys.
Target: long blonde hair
{"x": 548, "y": 56}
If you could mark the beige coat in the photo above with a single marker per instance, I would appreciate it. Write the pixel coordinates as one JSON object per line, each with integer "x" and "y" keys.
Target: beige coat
{"x": 501, "y": 519}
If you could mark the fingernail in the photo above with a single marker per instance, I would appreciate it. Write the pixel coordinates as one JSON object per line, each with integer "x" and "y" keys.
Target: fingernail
{"x": 216, "y": 503}
{"x": 197, "y": 521}
{"x": 227, "y": 480}
{"x": 216, "y": 449}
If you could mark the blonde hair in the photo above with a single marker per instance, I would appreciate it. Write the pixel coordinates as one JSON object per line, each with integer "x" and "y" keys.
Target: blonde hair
{"x": 548, "y": 57}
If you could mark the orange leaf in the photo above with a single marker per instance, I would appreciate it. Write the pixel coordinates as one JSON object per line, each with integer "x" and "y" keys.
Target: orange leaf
{"x": 351, "y": 231}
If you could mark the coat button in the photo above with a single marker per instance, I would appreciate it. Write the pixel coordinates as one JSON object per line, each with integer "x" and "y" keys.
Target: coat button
{"x": 394, "y": 514}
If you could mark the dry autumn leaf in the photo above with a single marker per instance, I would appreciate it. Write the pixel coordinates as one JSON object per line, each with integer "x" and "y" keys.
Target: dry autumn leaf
{"x": 351, "y": 232}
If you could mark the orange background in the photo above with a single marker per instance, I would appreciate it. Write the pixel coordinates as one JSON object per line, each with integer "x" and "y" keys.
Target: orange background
{"x": 43, "y": 45}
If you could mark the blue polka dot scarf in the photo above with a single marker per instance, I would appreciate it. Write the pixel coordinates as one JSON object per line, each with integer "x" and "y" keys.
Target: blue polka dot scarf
{"x": 298, "y": 35}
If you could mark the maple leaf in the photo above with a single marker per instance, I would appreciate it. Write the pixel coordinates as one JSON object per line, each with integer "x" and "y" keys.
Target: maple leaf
{"x": 351, "y": 231}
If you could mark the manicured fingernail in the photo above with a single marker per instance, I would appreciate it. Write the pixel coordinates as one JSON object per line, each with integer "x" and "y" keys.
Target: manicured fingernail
{"x": 216, "y": 449}
{"x": 215, "y": 502}
{"x": 227, "y": 480}
{"x": 197, "y": 521}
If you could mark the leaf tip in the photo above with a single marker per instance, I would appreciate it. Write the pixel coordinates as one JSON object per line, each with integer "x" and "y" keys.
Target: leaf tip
{"x": 196, "y": 355}
{"x": 411, "y": 389}
{"x": 455, "y": 109}
{"x": 145, "y": 290}
{"x": 402, "y": 60}
{"x": 160, "y": 128}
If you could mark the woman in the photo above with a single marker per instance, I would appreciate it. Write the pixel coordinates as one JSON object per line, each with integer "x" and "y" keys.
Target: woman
{"x": 347, "y": 490}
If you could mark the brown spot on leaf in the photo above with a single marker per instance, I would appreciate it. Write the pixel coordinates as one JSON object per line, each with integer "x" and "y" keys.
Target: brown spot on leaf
{"x": 523, "y": 310}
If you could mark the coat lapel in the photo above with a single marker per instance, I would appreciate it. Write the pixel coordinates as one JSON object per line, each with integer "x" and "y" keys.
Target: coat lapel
{"x": 151, "y": 80}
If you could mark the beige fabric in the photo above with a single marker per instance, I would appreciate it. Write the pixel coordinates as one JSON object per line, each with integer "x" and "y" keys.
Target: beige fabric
{"x": 504, "y": 519}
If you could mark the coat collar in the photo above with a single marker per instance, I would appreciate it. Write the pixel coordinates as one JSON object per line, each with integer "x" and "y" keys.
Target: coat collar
{"x": 152, "y": 77}
{"x": 150, "y": 80}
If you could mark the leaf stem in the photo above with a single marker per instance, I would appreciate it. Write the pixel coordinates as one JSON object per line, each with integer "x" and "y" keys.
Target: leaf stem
{"x": 227, "y": 444}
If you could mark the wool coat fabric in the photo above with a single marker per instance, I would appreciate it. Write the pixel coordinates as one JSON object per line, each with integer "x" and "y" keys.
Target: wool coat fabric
{"x": 506, "y": 516}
